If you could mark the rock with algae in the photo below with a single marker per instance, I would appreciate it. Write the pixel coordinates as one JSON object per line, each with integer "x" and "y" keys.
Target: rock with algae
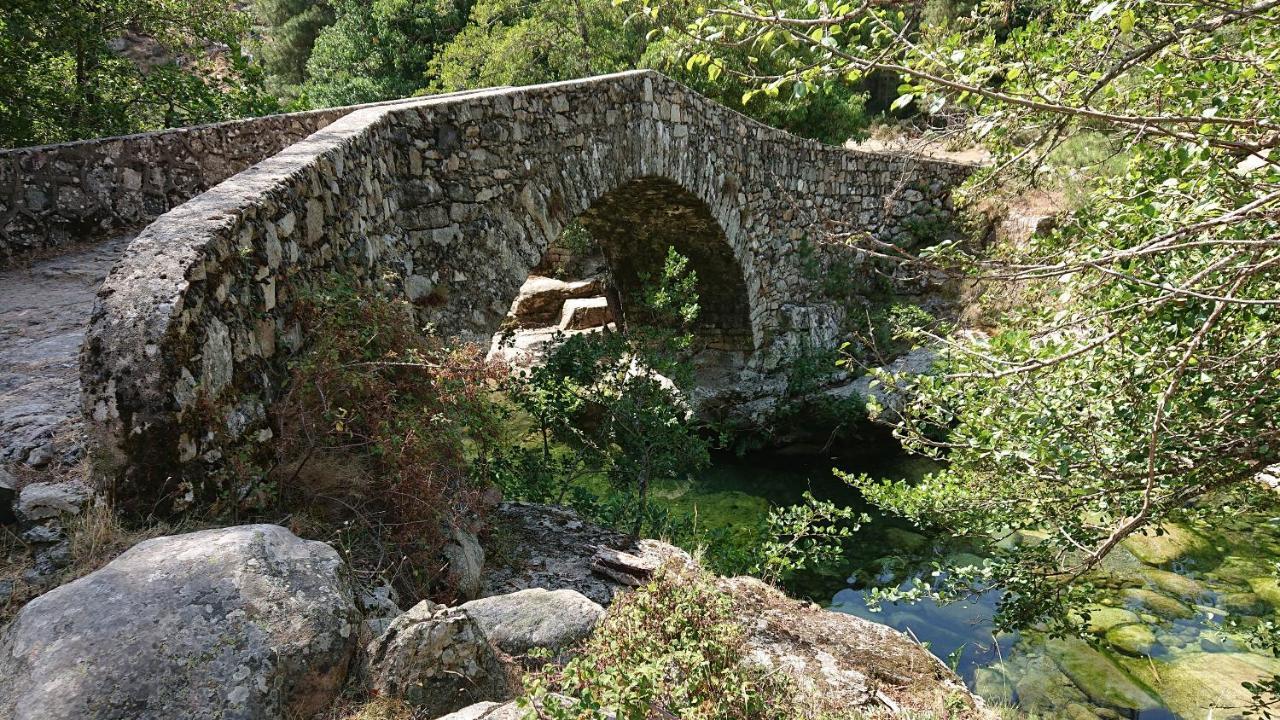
{"x": 1103, "y": 681}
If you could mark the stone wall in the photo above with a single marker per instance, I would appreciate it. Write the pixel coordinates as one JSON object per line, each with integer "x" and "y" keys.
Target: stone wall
{"x": 450, "y": 202}
{"x": 55, "y": 195}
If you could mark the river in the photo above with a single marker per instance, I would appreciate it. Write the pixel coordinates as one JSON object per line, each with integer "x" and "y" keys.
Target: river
{"x": 1167, "y": 638}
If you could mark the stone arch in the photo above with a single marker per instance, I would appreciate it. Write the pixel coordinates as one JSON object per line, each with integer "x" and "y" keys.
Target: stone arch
{"x": 450, "y": 202}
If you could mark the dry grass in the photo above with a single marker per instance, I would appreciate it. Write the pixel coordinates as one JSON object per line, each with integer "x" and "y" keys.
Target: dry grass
{"x": 375, "y": 709}
{"x": 95, "y": 537}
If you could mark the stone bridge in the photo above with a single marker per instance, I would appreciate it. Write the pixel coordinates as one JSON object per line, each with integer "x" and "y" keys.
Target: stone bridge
{"x": 449, "y": 202}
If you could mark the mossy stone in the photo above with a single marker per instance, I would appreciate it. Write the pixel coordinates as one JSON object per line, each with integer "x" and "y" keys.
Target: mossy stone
{"x": 1043, "y": 688}
{"x": 1105, "y": 682}
{"x": 1102, "y": 619}
{"x": 1179, "y": 586}
{"x": 1174, "y": 542}
{"x": 905, "y": 540}
{"x": 993, "y": 686}
{"x": 1157, "y": 604}
{"x": 1244, "y": 604}
{"x": 1135, "y": 640}
{"x": 1239, "y": 570}
{"x": 1266, "y": 588}
{"x": 1199, "y": 684}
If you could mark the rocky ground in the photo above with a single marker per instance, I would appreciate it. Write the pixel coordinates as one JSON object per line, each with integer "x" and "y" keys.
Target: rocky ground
{"x": 44, "y": 310}
{"x": 253, "y": 622}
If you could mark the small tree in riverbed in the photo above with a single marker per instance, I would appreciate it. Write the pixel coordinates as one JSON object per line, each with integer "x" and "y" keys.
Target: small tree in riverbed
{"x": 615, "y": 398}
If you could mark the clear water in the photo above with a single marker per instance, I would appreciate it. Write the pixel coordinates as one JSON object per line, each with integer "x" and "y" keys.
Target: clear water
{"x": 1193, "y": 666}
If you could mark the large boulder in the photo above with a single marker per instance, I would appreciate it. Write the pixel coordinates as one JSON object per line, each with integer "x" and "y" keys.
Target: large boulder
{"x": 535, "y": 618}
{"x": 842, "y": 664}
{"x": 542, "y": 299}
{"x": 436, "y": 659}
{"x": 440, "y": 659}
{"x": 243, "y": 622}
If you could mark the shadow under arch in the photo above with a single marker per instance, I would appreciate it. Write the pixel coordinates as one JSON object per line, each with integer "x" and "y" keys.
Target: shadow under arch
{"x": 635, "y": 223}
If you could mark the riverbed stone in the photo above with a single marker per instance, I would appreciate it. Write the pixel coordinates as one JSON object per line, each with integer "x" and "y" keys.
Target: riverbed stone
{"x": 1267, "y": 588}
{"x": 1160, "y": 605}
{"x": 1175, "y": 585}
{"x": 1200, "y": 684}
{"x": 1244, "y": 603}
{"x": 1102, "y": 618}
{"x": 992, "y": 685}
{"x": 1134, "y": 639}
{"x": 1103, "y": 681}
{"x": 1169, "y": 543}
{"x": 246, "y": 622}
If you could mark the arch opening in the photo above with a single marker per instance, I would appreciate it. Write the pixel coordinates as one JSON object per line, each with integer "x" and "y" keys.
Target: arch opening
{"x": 595, "y": 274}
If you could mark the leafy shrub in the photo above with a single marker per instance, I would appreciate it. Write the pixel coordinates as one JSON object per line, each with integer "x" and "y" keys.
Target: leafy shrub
{"x": 671, "y": 648}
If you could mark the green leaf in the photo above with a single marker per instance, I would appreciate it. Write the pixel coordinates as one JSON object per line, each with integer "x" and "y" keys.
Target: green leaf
{"x": 1127, "y": 20}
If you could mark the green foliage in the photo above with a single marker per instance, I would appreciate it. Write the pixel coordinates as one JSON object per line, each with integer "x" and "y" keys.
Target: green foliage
{"x": 1138, "y": 377}
{"x": 615, "y": 399}
{"x": 830, "y": 111}
{"x": 378, "y": 50}
{"x": 63, "y": 81}
{"x": 805, "y": 536}
{"x": 672, "y": 648}
{"x": 513, "y": 42}
{"x": 291, "y": 29}
{"x": 519, "y": 43}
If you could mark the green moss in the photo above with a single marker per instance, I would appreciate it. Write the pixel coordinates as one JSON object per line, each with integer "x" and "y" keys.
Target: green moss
{"x": 1157, "y": 604}
{"x": 1102, "y": 619}
{"x": 1266, "y": 588}
{"x": 1199, "y": 685}
{"x": 1245, "y": 603}
{"x": 1179, "y": 586}
{"x": 1137, "y": 640}
{"x": 1172, "y": 542}
{"x": 1105, "y": 682}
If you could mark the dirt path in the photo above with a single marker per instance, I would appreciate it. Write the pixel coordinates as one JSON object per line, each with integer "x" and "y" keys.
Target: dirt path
{"x": 44, "y": 310}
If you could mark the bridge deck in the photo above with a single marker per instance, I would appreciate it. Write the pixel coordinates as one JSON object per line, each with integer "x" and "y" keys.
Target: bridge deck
{"x": 44, "y": 310}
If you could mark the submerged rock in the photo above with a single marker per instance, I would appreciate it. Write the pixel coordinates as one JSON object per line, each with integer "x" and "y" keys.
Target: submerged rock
{"x": 1244, "y": 603}
{"x": 1179, "y": 586}
{"x": 1137, "y": 640}
{"x": 1102, "y": 619}
{"x": 1200, "y": 685}
{"x": 1103, "y": 681}
{"x": 1169, "y": 543}
{"x": 1164, "y": 607}
{"x": 1267, "y": 588}
{"x": 245, "y": 622}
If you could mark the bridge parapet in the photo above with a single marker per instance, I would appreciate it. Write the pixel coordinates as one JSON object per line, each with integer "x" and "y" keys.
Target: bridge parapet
{"x": 450, "y": 202}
